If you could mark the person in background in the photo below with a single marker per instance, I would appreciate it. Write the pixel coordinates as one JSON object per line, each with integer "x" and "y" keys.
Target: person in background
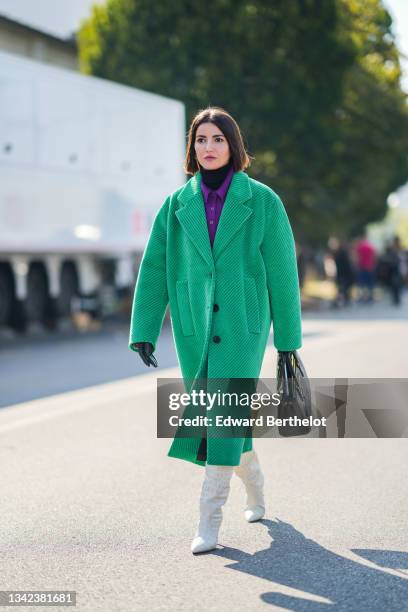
{"x": 345, "y": 274}
{"x": 392, "y": 269}
{"x": 366, "y": 260}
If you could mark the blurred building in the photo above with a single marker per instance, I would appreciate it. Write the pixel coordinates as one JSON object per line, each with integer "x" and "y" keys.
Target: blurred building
{"x": 20, "y": 39}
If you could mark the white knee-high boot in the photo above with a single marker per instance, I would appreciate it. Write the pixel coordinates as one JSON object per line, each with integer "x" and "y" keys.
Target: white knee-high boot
{"x": 214, "y": 494}
{"x": 251, "y": 475}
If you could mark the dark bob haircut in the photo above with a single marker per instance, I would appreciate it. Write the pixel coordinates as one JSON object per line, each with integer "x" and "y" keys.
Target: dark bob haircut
{"x": 228, "y": 127}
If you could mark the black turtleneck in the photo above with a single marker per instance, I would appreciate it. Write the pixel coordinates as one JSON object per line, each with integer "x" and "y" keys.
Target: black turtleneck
{"x": 214, "y": 178}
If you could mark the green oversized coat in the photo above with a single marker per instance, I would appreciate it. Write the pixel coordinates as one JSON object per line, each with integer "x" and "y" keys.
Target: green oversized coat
{"x": 250, "y": 273}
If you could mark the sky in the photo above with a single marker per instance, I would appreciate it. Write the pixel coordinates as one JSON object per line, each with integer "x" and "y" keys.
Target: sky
{"x": 62, "y": 17}
{"x": 399, "y": 12}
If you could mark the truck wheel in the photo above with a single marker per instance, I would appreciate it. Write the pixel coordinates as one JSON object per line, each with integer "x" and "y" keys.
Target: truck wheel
{"x": 6, "y": 295}
{"x": 68, "y": 289}
{"x": 51, "y": 314}
{"x": 18, "y": 317}
{"x": 37, "y": 294}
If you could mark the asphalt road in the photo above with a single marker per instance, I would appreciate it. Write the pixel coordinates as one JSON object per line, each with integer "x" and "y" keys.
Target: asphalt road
{"x": 90, "y": 502}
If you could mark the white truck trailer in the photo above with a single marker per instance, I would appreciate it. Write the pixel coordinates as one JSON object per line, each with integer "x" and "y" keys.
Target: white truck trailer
{"x": 85, "y": 164}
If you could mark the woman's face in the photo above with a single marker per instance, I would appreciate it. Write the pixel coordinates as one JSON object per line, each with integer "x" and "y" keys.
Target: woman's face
{"x": 211, "y": 147}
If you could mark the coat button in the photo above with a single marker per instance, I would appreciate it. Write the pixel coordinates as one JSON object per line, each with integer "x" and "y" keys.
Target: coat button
{"x": 216, "y": 339}
{"x": 216, "y": 308}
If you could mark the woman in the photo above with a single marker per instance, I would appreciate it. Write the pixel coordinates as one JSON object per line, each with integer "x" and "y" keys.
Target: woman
{"x": 221, "y": 253}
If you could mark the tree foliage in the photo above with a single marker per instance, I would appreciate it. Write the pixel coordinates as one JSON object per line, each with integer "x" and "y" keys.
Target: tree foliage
{"x": 314, "y": 84}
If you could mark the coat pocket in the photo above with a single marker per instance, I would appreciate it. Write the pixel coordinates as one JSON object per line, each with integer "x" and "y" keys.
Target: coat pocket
{"x": 184, "y": 307}
{"x": 252, "y": 305}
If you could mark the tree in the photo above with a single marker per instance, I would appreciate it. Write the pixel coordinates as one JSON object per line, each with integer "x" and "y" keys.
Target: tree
{"x": 315, "y": 85}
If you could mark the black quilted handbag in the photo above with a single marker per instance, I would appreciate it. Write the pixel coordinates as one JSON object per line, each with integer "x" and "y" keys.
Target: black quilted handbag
{"x": 293, "y": 387}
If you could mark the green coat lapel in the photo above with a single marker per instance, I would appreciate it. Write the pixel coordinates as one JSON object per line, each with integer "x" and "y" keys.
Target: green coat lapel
{"x": 192, "y": 217}
{"x": 234, "y": 213}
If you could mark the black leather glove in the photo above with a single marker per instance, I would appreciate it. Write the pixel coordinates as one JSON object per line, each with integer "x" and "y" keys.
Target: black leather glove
{"x": 145, "y": 350}
{"x": 290, "y": 367}
{"x": 287, "y": 361}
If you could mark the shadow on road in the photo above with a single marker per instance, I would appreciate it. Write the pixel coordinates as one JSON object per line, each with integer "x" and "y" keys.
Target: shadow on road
{"x": 300, "y": 563}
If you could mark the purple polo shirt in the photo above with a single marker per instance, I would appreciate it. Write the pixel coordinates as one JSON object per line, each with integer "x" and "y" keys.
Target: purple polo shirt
{"x": 214, "y": 201}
